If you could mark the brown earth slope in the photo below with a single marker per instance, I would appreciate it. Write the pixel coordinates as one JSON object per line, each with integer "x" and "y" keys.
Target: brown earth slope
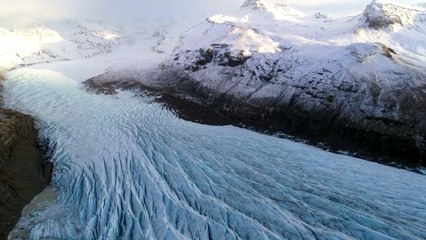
{"x": 21, "y": 175}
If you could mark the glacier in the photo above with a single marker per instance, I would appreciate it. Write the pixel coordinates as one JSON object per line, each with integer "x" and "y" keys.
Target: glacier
{"x": 127, "y": 168}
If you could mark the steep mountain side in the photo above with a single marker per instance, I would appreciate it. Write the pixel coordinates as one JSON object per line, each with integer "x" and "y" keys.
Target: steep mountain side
{"x": 343, "y": 81}
{"x": 380, "y": 16}
{"x": 20, "y": 167}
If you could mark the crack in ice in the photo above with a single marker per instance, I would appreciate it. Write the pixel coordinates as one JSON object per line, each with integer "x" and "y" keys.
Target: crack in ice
{"x": 128, "y": 168}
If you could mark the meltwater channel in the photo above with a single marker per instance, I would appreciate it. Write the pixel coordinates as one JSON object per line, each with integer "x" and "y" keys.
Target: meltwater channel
{"x": 127, "y": 168}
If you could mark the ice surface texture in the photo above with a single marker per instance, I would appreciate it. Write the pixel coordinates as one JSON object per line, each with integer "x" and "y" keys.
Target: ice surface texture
{"x": 129, "y": 169}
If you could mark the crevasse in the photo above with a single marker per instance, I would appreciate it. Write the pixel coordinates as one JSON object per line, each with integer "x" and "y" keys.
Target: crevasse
{"x": 127, "y": 168}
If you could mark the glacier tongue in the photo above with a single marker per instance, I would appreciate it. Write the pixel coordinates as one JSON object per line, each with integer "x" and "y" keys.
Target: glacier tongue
{"x": 127, "y": 168}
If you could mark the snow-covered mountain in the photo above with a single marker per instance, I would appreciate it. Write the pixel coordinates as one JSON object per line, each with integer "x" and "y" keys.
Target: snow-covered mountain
{"x": 378, "y": 15}
{"x": 70, "y": 40}
{"x": 358, "y": 79}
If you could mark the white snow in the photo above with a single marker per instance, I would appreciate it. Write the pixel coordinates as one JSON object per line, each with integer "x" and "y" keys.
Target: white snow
{"x": 71, "y": 40}
{"x": 262, "y": 25}
{"x": 127, "y": 168}
{"x": 313, "y": 36}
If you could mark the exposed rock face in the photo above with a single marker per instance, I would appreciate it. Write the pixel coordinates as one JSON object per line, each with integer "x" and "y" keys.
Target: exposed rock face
{"x": 219, "y": 54}
{"x": 381, "y": 16}
{"x": 21, "y": 175}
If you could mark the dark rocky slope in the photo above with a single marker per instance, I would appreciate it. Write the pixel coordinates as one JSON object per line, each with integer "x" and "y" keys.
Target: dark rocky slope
{"x": 21, "y": 173}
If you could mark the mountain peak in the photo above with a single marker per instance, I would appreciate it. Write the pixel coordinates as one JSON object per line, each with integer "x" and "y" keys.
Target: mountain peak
{"x": 263, "y": 4}
{"x": 276, "y": 7}
{"x": 380, "y": 15}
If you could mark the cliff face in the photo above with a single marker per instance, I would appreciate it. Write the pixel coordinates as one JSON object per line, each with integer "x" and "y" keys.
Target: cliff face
{"x": 20, "y": 167}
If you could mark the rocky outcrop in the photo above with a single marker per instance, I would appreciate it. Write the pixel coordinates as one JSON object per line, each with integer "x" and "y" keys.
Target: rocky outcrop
{"x": 378, "y": 15}
{"x": 219, "y": 54}
{"x": 21, "y": 176}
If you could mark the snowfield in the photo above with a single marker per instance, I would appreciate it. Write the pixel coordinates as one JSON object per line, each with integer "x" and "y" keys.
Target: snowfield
{"x": 127, "y": 168}
{"x": 67, "y": 40}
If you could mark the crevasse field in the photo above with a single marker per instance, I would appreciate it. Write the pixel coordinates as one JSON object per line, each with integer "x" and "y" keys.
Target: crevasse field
{"x": 127, "y": 168}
